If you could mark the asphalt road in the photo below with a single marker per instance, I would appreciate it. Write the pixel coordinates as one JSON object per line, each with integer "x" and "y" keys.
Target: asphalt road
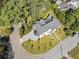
{"x": 55, "y": 53}
{"x": 67, "y": 45}
{"x": 19, "y": 52}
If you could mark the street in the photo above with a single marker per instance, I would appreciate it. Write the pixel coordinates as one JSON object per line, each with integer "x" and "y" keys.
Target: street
{"x": 55, "y": 53}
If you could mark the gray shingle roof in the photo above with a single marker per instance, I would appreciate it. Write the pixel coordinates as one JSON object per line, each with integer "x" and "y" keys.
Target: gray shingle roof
{"x": 66, "y": 6}
{"x": 74, "y": 0}
{"x": 50, "y": 23}
{"x": 78, "y": 3}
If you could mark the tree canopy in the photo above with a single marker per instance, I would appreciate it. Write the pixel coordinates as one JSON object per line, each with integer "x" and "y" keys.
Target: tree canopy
{"x": 25, "y": 11}
{"x": 69, "y": 18}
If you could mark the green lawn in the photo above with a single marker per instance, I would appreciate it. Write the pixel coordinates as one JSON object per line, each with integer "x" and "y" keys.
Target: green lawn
{"x": 75, "y": 52}
{"x": 40, "y": 46}
{"x": 61, "y": 34}
{"x": 44, "y": 44}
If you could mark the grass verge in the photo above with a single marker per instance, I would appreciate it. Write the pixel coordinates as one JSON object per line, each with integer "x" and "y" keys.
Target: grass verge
{"x": 75, "y": 52}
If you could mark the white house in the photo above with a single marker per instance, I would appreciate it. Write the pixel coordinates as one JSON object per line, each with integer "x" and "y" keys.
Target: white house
{"x": 46, "y": 27}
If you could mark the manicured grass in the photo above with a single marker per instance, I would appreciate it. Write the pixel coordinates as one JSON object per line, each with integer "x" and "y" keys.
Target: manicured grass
{"x": 61, "y": 34}
{"x": 41, "y": 45}
{"x": 44, "y": 44}
{"x": 75, "y": 52}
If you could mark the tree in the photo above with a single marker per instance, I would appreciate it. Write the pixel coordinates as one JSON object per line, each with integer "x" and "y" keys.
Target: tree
{"x": 70, "y": 19}
{"x": 38, "y": 5}
{"x": 61, "y": 16}
{"x": 32, "y": 46}
{"x": 38, "y": 47}
{"x": 38, "y": 40}
{"x": 15, "y": 11}
{"x": 29, "y": 40}
{"x": 50, "y": 43}
{"x": 54, "y": 6}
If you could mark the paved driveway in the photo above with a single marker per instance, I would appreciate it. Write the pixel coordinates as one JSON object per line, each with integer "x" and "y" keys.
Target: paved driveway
{"x": 55, "y": 53}
{"x": 29, "y": 36}
{"x": 19, "y": 52}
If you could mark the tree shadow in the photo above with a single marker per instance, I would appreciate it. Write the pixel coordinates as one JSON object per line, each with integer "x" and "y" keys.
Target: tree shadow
{"x": 7, "y": 48}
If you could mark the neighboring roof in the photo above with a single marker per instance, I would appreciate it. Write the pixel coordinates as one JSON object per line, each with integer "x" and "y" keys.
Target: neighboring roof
{"x": 63, "y": 5}
{"x": 74, "y": 0}
{"x": 66, "y": 6}
{"x": 75, "y": 3}
{"x": 49, "y": 23}
{"x": 71, "y": 6}
{"x": 78, "y": 3}
{"x": 58, "y": 1}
